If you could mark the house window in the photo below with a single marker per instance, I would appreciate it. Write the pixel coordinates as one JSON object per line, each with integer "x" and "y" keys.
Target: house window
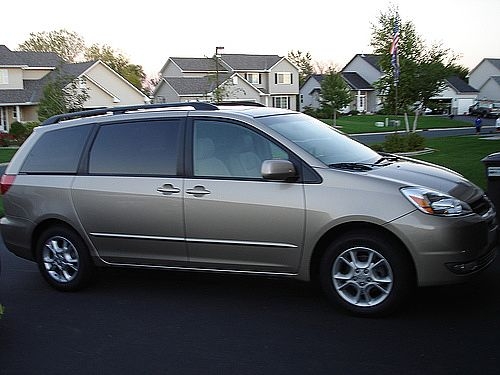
{"x": 15, "y": 114}
{"x": 281, "y": 102}
{"x": 283, "y": 78}
{"x": 253, "y": 78}
{"x": 160, "y": 99}
{"x": 4, "y": 76}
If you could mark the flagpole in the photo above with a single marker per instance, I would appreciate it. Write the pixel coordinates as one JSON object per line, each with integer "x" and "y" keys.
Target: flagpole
{"x": 396, "y": 98}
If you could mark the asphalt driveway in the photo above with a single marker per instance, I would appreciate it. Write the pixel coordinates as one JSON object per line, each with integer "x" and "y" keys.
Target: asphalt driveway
{"x": 138, "y": 322}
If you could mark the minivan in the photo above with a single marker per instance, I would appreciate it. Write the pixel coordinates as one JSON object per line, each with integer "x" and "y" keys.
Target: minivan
{"x": 240, "y": 189}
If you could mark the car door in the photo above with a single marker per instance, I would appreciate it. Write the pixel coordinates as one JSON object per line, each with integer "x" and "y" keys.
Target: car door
{"x": 235, "y": 220}
{"x": 130, "y": 201}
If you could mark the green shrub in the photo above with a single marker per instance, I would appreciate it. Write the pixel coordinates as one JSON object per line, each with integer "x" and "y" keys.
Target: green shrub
{"x": 401, "y": 143}
{"x": 20, "y": 131}
{"x": 415, "y": 142}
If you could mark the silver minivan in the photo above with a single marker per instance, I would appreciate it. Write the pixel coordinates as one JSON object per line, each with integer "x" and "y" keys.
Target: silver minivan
{"x": 240, "y": 189}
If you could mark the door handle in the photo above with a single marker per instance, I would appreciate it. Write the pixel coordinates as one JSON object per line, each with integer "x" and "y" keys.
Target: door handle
{"x": 168, "y": 189}
{"x": 198, "y": 190}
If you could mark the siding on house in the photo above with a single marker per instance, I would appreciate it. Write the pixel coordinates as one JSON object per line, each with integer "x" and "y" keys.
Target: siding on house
{"x": 491, "y": 89}
{"x": 483, "y": 71}
{"x": 366, "y": 65}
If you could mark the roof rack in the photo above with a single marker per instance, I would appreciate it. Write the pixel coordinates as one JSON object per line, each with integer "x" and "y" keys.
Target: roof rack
{"x": 123, "y": 109}
{"x": 242, "y": 103}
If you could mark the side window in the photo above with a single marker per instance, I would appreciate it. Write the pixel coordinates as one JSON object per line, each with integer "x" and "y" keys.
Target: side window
{"x": 136, "y": 149}
{"x": 225, "y": 149}
{"x": 57, "y": 151}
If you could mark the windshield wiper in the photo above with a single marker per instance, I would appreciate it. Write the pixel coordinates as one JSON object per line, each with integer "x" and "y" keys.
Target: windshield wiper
{"x": 353, "y": 166}
{"x": 387, "y": 157}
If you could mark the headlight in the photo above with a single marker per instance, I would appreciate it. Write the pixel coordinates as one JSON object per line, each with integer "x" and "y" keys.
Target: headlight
{"x": 435, "y": 203}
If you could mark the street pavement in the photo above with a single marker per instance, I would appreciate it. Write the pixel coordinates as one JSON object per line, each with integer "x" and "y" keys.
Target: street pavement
{"x": 162, "y": 322}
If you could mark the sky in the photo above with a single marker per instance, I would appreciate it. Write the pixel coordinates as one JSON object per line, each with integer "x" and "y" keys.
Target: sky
{"x": 332, "y": 31}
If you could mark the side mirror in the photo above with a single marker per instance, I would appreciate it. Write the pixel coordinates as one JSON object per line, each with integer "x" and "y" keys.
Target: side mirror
{"x": 278, "y": 170}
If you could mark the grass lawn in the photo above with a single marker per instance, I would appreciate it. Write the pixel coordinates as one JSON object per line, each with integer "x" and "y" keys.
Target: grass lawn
{"x": 462, "y": 154}
{"x": 366, "y": 123}
{"x": 6, "y": 154}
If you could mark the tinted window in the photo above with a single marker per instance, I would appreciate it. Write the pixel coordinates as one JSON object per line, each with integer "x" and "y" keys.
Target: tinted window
{"x": 57, "y": 151}
{"x": 136, "y": 148}
{"x": 224, "y": 149}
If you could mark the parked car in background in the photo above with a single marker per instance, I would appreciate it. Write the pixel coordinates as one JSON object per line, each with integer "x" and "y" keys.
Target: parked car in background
{"x": 240, "y": 189}
{"x": 485, "y": 109}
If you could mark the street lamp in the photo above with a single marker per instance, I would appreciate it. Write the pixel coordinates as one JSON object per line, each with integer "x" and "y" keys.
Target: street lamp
{"x": 217, "y": 49}
{"x": 217, "y": 55}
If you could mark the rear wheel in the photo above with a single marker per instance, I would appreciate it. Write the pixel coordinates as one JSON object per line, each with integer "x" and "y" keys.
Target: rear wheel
{"x": 63, "y": 259}
{"x": 367, "y": 273}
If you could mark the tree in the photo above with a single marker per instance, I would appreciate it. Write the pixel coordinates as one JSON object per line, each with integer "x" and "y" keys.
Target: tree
{"x": 67, "y": 45}
{"x": 303, "y": 62}
{"x": 335, "y": 94}
{"x": 60, "y": 95}
{"x": 118, "y": 62}
{"x": 422, "y": 69}
{"x": 458, "y": 70}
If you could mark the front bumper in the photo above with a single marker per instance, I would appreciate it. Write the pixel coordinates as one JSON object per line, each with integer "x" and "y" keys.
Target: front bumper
{"x": 473, "y": 266}
{"x": 448, "y": 250}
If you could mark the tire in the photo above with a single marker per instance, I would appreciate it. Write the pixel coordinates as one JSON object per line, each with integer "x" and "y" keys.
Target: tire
{"x": 63, "y": 259}
{"x": 366, "y": 273}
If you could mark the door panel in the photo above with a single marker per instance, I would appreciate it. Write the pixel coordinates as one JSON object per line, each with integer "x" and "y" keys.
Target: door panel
{"x": 129, "y": 221}
{"x": 243, "y": 225}
{"x": 235, "y": 220}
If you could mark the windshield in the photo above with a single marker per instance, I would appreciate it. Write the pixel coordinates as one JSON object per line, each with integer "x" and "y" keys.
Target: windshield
{"x": 320, "y": 139}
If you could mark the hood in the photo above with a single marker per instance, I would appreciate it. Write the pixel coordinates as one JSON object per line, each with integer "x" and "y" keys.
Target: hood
{"x": 415, "y": 173}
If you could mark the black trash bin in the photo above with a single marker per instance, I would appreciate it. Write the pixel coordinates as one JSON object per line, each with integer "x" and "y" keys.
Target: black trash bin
{"x": 492, "y": 164}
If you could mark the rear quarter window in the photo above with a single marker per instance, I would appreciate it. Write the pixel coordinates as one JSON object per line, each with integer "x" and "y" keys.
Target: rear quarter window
{"x": 57, "y": 151}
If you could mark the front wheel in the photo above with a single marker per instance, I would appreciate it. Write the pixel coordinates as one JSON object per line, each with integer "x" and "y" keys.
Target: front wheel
{"x": 366, "y": 273}
{"x": 63, "y": 259}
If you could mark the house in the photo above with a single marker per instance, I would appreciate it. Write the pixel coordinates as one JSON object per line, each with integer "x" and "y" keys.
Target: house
{"x": 486, "y": 78}
{"x": 367, "y": 69}
{"x": 359, "y": 74}
{"x": 267, "y": 79}
{"x": 310, "y": 92}
{"x": 23, "y": 76}
{"x": 456, "y": 97}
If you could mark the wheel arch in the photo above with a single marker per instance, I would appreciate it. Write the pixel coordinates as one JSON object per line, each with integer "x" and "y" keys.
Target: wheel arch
{"x": 344, "y": 228}
{"x": 44, "y": 225}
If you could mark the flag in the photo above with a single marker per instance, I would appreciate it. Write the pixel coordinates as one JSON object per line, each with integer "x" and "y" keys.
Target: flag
{"x": 394, "y": 50}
